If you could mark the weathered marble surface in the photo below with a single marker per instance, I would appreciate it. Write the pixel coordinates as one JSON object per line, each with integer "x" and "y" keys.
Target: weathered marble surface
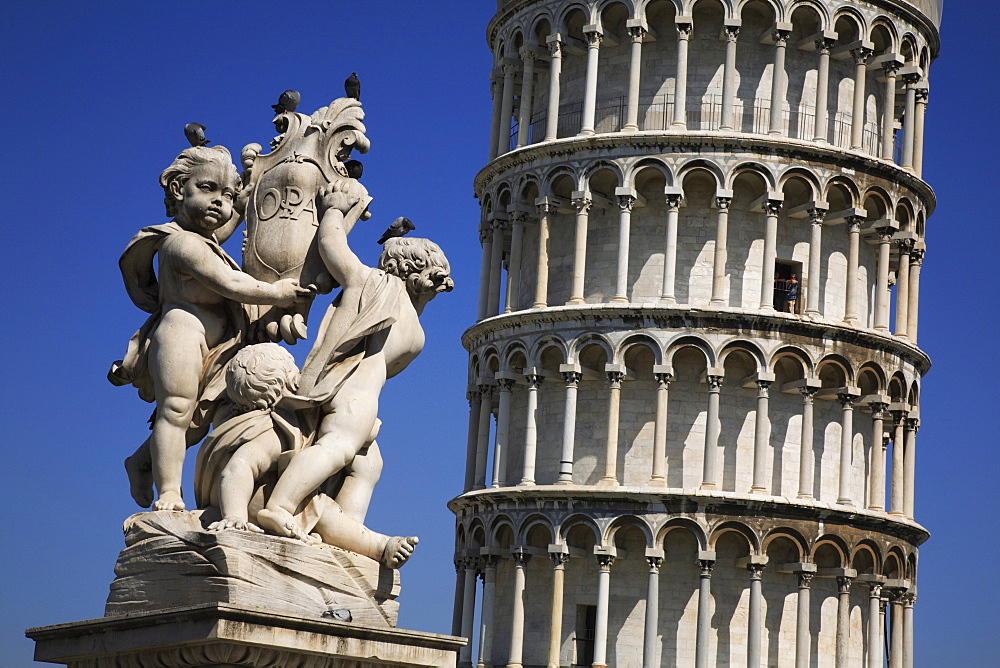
{"x": 170, "y": 560}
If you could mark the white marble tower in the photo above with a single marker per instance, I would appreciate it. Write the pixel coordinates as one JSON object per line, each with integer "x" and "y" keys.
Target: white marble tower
{"x": 694, "y": 378}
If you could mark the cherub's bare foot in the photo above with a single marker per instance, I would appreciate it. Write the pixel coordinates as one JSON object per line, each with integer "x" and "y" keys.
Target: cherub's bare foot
{"x": 398, "y": 550}
{"x": 169, "y": 501}
{"x": 228, "y": 523}
{"x": 140, "y": 482}
{"x": 282, "y": 523}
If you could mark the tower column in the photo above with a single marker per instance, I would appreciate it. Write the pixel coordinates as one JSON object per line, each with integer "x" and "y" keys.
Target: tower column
{"x": 772, "y": 208}
{"x": 521, "y": 560}
{"x": 496, "y": 93}
{"x": 908, "y": 601}
{"x": 636, "y": 34}
{"x": 615, "y": 377}
{"x": 889, "y": 70}
{"x": 755, "y": 622}
{"x": 594, "y": 36}
{"x": 456, "y": 613}
{"x": 896, "y": 634}
{"x": 663, "y": 378}
{"x": 843, "y": 620}
{"x": 806, "y": 444}
{"x": 875, "y": 625}
{"x": 909, "y": 119}
{"x": 684, "y": 30}
{"x": 486, "y": 239}
{"x": 542, "y": 274}
{"x": 582, "y": 204}
{"x": 527, "y": 93}
{"x": 778, "y": 81}
{"x": 909, "y": 465}
{"x": 649, "y": 636}
{"x": 670, "y": 250}
{"x": 814, "y": 278}
{"x": 625, "y": 203}
{"x": 496, "y": 266}
{"x": 903, "y": 288}
{"x": 722, "y": 202}
{"x": 475, "y": 402}
{"x": 916, "y": 261}
{"x": 509, "y": 70}
{"x": 704, "y": 611}
{"x": 489, "y": 607}
{"x": 514, "y": 268}
{"x": 802, "y": 635}
{"x": 572, "y": 377}
{"x": 761, "y": 434}
{"x": 468, "y": 612}
{"x": 851, "y": 292}
{"x": 531, "y": 428}
{"x": 555, "y": 71}
{"x": 504, "y": 385}
{"x": 861, "y": 56}
{"x": 898, "y": 446}
{"x": 604, "y": 562}
{"x": 712, "y": 432}
{"x": 559, "y": 560}
{"x": 822, "y": 119}
{"x": 882, "y": 281}
{"x": 876, "y": 485}
{"x": 846, "y": 448}
{"x": 918, "y": 132}
{"x": 732, "y": 32}
{"x": 483, "y": 438}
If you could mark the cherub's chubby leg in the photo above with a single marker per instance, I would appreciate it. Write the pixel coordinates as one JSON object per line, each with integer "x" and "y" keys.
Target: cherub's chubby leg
{"x": 339, "y": 530}
{"x": 139, "y": 467}
{"x": 176, "y": 350}
{"x": 344, "y": 430}
{"x": 363, "y": 474}
{"x": 239, "y": 480}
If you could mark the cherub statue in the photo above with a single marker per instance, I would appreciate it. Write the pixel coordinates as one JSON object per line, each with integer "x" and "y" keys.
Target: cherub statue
{"x": 370, "y": 333}
{"x": 197, "y": 321}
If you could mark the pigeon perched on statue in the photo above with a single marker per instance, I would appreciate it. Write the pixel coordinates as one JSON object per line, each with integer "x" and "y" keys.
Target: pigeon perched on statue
{"x": 399, "y": 227}
{"x": 353, "y": 86}
{"x": 354, "y": 168}
{"x": 288, "y": 101}
{"x": 195, "y": 133}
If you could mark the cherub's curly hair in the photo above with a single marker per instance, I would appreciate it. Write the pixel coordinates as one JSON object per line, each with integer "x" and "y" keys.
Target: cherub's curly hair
{"x": 259, "y": 375}
{"x": 182, "y": 166}
{"x": 407, "y": 257}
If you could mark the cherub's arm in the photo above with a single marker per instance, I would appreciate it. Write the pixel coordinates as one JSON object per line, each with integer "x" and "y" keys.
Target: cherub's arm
{"x": 341, "y": 204}
{"x": 192, "y": 256}
{"x": 226, "y": 231}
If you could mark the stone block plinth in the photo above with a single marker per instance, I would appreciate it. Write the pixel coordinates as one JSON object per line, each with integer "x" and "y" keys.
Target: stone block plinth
{"x": 224, "y": 635}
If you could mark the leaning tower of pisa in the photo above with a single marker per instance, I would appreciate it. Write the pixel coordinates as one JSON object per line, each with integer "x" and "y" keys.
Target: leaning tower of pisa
{"x": 694, "y": 378}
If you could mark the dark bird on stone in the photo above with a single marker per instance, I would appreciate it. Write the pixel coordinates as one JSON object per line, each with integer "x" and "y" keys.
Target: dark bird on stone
{"x": 354, "y": 168}
{"x": 289, "y": 101}
{"x": 399, "y": 227}
{"x": 353, "y": 86}
{"x": 195, "y": 133}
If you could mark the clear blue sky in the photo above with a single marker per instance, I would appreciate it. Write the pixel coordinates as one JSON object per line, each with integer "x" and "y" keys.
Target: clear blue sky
{"x": 95, "y": 99}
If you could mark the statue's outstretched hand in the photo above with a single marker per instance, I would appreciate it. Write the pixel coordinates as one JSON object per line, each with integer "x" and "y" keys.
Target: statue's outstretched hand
{"x": 341, "y": 194}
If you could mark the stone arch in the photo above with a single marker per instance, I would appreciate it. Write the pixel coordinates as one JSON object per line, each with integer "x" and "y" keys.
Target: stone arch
{"x": 596, "y": 169}
{"x": 908, "y": 49}
{"x": 841, "y": 193}
{"x": 567, "y": 526}
{"x": 753, "y": 542}
{"x": 866, "y": 558}
{"x": 476, "y": 534}
{"x": 685, "y": 524}
{"x": 849, "y": 25}
{"x": 882, "y": 34}
{"x": 531, "y": 522}
{"x": 546, "y": 343}
{"x": 628, "y": 521}
{"x": 492, "y": 360}
{"x": 540, "y": 22}
{"x": 648, "y": 164}
{"x": 638, "y": 339}
{"x": 911, "y": 567}
{"x": 903, "y": 214}
{"x": 525, "y": 186}
{"x": 777, "y": 11}
{"x": 642, "y": 5}
{"x": 894, "y": 564}
{"x": 751, "y": 167}
{"x": 800, "y": 357}
{"x": 913, "y": 396}
{"x": 896, "y": 389}
{"x": 838, "y": 544}
{"x": 794, "y": 539}
{"x": 604, "y": 5}
{"x": 695, "y": 342}
{"x": 921, "y": 219}
{"x": 838, "y": 363}
{"x": 495, "y": 532}
{"x": 802, "y": 175}
{"x": 751, "y": 349}
{"x": 570, "y": 14}
{"x": 584, "y": 341}
{"x": 512, "y": 349}
{"x": 871, "y": 378}
{"x": 699, "y": 165}
{"x": 822, "y": 13}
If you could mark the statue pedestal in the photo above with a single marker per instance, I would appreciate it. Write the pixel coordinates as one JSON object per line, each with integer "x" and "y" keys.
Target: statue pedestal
{"x": 224, "y": 635}
{"x": 184, "y": 596}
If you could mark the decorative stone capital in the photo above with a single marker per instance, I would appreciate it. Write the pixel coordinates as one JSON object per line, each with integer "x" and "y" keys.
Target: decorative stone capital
{"x": 498, "y": 225}
{"x": 616, "y": 378}
{"x": 636, "y": 33}
{"x": 572, "y": 378}
{"x": 912, "y": 424}
{"x": 534, "y": 380}
{"x": 663, "y": 379}
{"x": 555, "y": 46}
{"x": 505, "y": 384}
{"x": 917, "y": 256}
{"x": 604, "y": 561}
{"x": 756, "y": 571}
{"x": 625, "y": 203}
{"x": 817, "y": 216}
{"x": 490, "y": 561}
{"x": 583, "y": 204}
{"x": 472, "y": 395}
{"x": 808, "y": 394}
{"x": 875, "y": 590}
{"x": 861, "y": 55}
{"x": 684, "y": 30}
{"x": 594, "y": 38}
{"x": 731, "y": 33}
{"x": 922, "y": 95}
{"x": 509, "y": 70}
{"x": 824, "y": 44}
{"x": 722, "y": 203}
{"x": 559, "y": 559}
{"x": 885, "y": 234}
{"x": 762, "y": 388}
{"x": 890, "y": 67}
{"x": 854, "y": 224}
{"x": 654, "y": 564}
{"x": 772, "y": 207}
{"x": 805, "y": 580}
{"x": 674, "y": 202}
{"x": 878, "y": 409}
{"x": 714, "y": 383}
{"x": 844, "y": 584}
{"x": 911, "y": 78}
{"x": 518, "y": 216}
{"x": 528, "y": 57}
{"x": 521, "y": 558}
{"x": 485, "y": 234}
{"x": 705, "y": 567}
{"x": 546, "y": 208}
{"x": 846, "y": 400}
{"x": 905, "y": 245}
{"x": 780, "y": 37}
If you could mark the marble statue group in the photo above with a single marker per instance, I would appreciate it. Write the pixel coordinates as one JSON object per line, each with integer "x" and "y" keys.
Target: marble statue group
{"x": 283, "y": 451}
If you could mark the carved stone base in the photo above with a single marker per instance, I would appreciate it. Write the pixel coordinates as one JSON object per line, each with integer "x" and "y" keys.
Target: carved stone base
{"x": 171, "y": 561}
{"x": 225, "y": 635}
